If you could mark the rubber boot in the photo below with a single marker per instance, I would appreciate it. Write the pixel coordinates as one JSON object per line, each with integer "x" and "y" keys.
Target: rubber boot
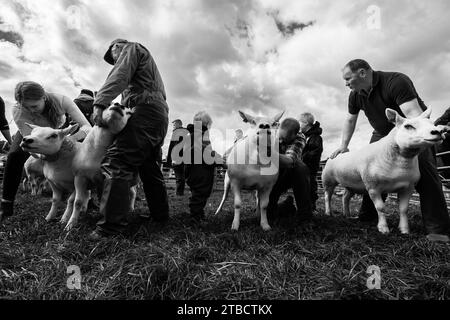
{"x": 114, "y": 207}
{"x": 157, "y": 201}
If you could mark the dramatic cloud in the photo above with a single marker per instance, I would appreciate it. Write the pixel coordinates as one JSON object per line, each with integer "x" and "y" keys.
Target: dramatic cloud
{"x": 261, "y": 56}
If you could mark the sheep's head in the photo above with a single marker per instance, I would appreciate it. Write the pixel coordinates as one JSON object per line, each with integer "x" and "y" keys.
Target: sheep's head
{"x": 262, "y": 124}
{"x": 115, "y": 117}
{"x": 416, "y": 133}
{"x": 46, "y": 141}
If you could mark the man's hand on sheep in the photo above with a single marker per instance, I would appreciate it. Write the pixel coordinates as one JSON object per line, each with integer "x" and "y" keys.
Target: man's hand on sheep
{"x": 339, "y": 151}
{"x": 97, "y": 115}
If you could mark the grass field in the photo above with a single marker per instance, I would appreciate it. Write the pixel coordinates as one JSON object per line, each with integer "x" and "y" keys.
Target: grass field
{"x": 327, "y": 259}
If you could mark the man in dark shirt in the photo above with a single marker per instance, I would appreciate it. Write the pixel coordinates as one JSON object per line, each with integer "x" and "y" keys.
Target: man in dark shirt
{"x": 137, "y": 147}
{"x": 373, "y": 92}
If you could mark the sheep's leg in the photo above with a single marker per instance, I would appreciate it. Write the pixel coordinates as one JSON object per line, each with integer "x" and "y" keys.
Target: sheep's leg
{"x": 69, "y": 207}
{"x": 25, "y": 184}
{"x": 40, "y": 186}
{"x": 379, "y": 205}
{"x": 258, "y": 208}
{"x": 237, "y": 208}
{"x": 263, "y": 203}
{"x": 56, "y": 202}
{"x": 81, "y": 197}
{"x": 34, "y": 186}
{"x": 403, "y": 203}
{"x": 346, "y": 202}
{"x": 133, "y": 194}
{"x": 328, "y": 193}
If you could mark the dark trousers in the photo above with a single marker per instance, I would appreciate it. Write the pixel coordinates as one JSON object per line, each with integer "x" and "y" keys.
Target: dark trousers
{"x": 432, "y": 201}
{"x": 200, "y": 179}
{"x": 297, "y": 178}
{"x": 14, "y": 169}
{"x": 135, "y": 151}
{"x": 179, "y": 178}
{"x": 314, "y": 187}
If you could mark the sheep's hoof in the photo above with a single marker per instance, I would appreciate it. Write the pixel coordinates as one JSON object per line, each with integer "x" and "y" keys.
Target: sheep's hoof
{"x": 266, "y": 228}
{"x": 50, "y": 218}
{"x": 69, "y": 227}
{"x": 404, "y": 230}
{"x": 383, "y": 229}
{"x": 235, "y": 228}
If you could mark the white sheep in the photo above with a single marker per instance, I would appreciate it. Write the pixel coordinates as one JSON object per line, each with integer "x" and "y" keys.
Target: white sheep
{"x": 246, "y": 171}
{"x": 387, "y": 166}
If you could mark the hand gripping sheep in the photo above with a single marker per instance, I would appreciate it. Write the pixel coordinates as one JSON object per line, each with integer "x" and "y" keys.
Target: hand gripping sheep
{"x": 246, "y": 171}
{"x": 387, "y": 166}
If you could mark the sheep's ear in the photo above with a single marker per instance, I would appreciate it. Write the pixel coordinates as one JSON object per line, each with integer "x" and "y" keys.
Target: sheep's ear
{"x": 247, "y": 118}
{"x": 278, "y": 117}
{"x": 32, "y": 126}
{"x": 70, "y": 130}
{"x": 426, "y": 114}
{"x": 394, "y": 117}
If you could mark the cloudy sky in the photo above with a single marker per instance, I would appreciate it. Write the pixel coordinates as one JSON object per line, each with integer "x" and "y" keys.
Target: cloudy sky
{"x": 259, "y": 56}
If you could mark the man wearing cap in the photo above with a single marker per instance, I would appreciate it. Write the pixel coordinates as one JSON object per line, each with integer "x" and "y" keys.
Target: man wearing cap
{"x": 135, "y": 150}
{"x": 178, "y": 135}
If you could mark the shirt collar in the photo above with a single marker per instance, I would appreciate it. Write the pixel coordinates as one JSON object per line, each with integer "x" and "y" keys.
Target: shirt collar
{"x": 375, "y": 82}
{"x": 376, "y": 79}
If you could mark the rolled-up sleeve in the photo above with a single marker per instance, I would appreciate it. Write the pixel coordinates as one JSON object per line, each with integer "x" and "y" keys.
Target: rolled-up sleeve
{"x": 401, "y": 89}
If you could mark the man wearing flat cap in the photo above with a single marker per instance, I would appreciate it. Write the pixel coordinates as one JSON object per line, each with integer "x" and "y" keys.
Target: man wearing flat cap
{"x": 136, "y": 77}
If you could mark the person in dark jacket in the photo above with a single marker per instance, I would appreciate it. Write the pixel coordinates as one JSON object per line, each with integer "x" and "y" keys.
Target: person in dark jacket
{"x": 179, "y": 133}
{"x": 200, "y": 176}
{"x": 136, "y": 148}
{"x": 85, "y": 102}
{"x": 313, "y": 151}
{"x": 4, "y": 126}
